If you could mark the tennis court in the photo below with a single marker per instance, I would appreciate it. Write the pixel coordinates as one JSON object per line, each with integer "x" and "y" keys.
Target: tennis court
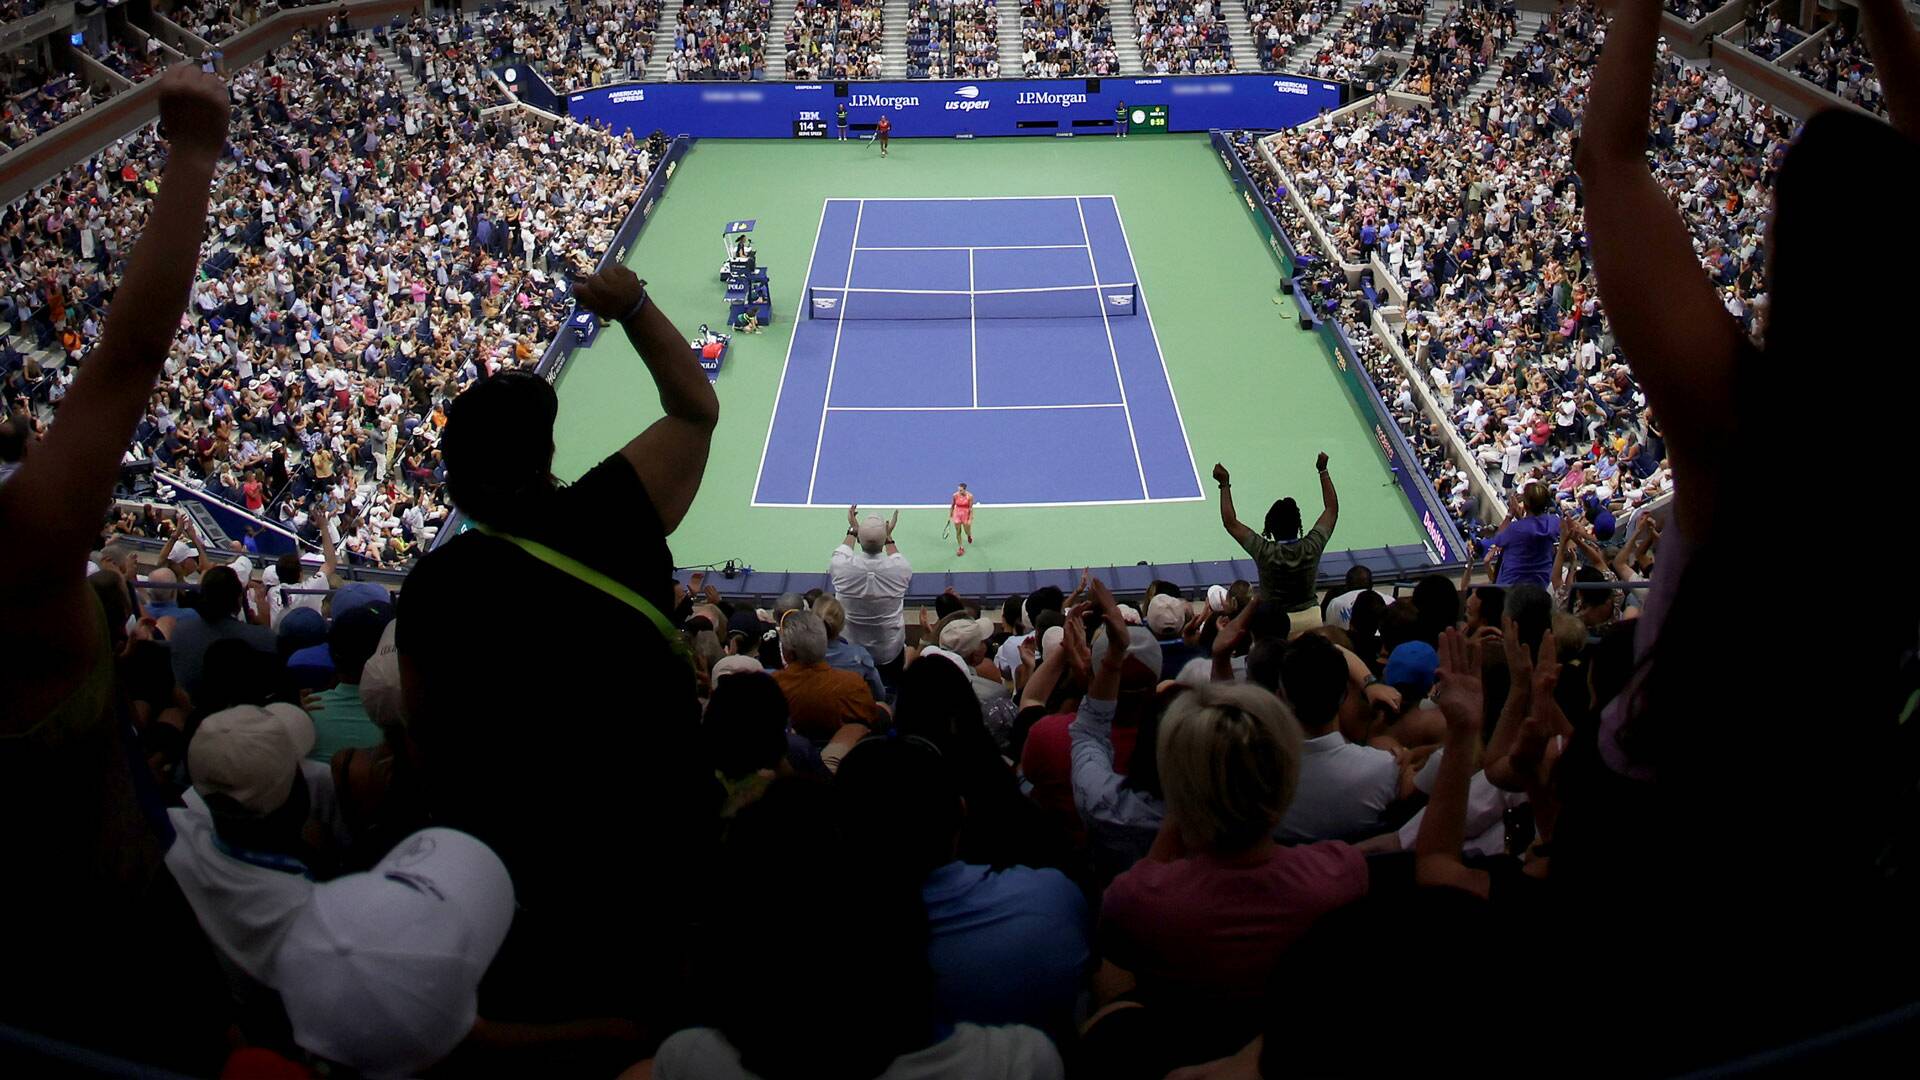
{"x": 958, "y": 327}
{"x": 1058, "y": 485}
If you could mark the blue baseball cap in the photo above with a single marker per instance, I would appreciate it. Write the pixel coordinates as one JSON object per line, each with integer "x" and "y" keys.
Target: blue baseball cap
{"x": 1412, "y": 665}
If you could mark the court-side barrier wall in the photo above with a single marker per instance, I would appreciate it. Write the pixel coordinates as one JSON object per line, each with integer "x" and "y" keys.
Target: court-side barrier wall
{"x": 954, "y": 109}
{"x": 1447, "y": 544}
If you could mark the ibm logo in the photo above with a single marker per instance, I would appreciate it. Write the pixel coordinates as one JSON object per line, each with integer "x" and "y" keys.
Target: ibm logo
{"x": 809, "y": 115}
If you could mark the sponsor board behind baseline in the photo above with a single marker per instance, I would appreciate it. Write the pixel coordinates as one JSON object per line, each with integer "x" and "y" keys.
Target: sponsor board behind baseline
{"x": 948, "y": 109}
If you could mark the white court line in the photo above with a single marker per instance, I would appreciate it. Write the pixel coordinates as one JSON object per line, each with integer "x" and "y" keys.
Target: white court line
{"x": 799, "y": 310}
{"x": 984, "y": 292}
{"x": 1141, "y": 298}
{"x": 833, "y": 358}
{"x": 959, "y": 198}
{"x": 973, "y": 331}
{"x": 971, "y": 247}
{"x": 1106, "y": 322}
{"x": 989, "y": 506}
{"x": 974, "y": 408}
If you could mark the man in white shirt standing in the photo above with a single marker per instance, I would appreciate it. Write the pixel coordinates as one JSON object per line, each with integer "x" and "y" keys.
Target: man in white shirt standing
{"x": 871, "y": 582}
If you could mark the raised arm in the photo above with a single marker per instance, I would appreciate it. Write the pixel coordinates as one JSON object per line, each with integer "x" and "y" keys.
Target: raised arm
{"x": 1681, "y": 342}
{"x": 1329, "y": 498}
{"x": 1443, "y": 831}
{"x": 52, "y": 506}
{"x": 1231, "y": 522}
{"x": 1895, "y": 46}
{"x": 671, "y": 454}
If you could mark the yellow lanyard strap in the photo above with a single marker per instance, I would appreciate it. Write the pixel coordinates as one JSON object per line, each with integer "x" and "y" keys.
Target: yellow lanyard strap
{"x": 587, "y": 575}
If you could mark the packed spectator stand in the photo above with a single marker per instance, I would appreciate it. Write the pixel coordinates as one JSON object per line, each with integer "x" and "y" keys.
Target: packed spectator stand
{"x": 834, "y": 39}
{"x": 721, "y": 39}
{"x": 1064, "y": 39}
{"x": 39, "y": 99}
{"x": 1182, "y": 37}
{"x": 1281, "y": 26}
{"x": 326, "y": 377}
{"x": 1841, "y": 65}
{"x": 953, "y": 39}
{"x": 1450, "y": 57}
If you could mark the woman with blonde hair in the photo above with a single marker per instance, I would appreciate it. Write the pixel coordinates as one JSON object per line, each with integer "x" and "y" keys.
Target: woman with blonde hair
{"x": 1204, "y": 919}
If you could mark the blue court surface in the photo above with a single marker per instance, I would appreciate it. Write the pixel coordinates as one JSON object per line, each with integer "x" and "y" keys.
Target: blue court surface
{"x": 1001, "y": 342}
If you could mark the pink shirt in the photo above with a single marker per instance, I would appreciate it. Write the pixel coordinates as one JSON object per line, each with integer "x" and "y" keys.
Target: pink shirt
{"x": 1199, "y": 923}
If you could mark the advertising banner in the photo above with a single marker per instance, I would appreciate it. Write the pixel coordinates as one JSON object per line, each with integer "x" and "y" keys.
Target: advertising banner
{"x": 952, "y": 109}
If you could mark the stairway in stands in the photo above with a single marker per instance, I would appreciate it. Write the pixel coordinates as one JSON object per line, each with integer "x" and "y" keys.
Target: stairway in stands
{"x": 893, "y": 41}
{"x": 1530, "y": 22}
{"x": 662, "y": 59}
{"x": 1012, "y": 45}
{"x": 1303, "y": 53}
{"x": 1126, "y": 43}
{"x": 1246, "y": 55}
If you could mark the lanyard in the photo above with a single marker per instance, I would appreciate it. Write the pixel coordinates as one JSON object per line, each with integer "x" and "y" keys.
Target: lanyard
{"x": 587, "y": 575}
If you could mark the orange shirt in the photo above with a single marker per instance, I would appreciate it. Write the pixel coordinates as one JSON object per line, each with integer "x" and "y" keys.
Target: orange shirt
{"x": 820, "y": 699}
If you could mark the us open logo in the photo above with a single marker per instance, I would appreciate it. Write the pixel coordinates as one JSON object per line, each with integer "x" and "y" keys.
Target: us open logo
{"x": 970, "y": 102}
{"x": 825, "y": 303}
{"x": 1119, "y": 299}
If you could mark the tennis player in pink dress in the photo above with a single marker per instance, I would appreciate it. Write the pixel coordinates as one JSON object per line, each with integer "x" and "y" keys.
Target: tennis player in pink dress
{"x": 960, "y": 513}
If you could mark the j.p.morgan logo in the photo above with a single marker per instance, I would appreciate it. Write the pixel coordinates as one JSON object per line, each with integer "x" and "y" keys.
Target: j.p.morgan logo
{"x": 1282, "y": 86}
{"x": 621, "y": 97}
{"x": 884, "y": 101}
{"x": 1042, "y": 97}
{"x": 969, "y": 100}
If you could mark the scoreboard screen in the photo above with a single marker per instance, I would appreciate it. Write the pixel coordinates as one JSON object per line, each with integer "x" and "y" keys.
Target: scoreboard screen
{"x": 1147, "y": 120}
{"x": 809, "y": 124}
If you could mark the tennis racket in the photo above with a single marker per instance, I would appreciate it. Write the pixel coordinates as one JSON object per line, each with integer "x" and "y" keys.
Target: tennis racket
{"x": 947, "y": 529}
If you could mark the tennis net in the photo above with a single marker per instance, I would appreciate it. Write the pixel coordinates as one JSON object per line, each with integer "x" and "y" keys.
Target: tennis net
{"x": 1061, "y": 302}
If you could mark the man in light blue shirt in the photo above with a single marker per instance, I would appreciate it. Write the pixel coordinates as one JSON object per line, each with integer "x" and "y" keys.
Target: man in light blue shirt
{"x": 1006, "y": 946}
{"x": 844, "y": 655}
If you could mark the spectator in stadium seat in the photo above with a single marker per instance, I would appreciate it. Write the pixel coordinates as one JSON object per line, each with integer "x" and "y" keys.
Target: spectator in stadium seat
{"x": 844, "y": 654}
{"x": 254, "y": 832}
{"x": 1657, "y": 759}
{"x": 1204, "y": 920}
{"x": 1123, "y": 813}
{"x": 871, "y": 581}
{"x": 1289, "y": 562}
{"x": 1344, "y": 789}
{"x": 1007, "y": 946}
{"x": 1526, "y": 543}
{"x": 219, "y": 617}
{"x": 591, "y": 932}
{"x": 340, "y": 718}
{"x": 820, "y": 698}
{"x": 792, "y": 866}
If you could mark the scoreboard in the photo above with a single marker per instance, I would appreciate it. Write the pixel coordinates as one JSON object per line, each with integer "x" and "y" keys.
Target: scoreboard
{"x": 1147, "y": 120}
{"x": 810, "y": 124}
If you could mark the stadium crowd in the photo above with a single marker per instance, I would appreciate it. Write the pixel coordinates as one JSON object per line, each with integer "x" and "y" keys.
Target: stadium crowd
{"x": 343, "y": 305}
{"x": 576, "y": 46}
{"x": 1841, "y": 65}
{"x": 39, "y": 99}
{"x": 1065, "y": 38}
{"x": 122, "y": 58}
{"x": 1357, "y": 44}
{"x": 554, "y": 812}
{"x": 953, "y": 39}
{"x": 834, "y": 39}
{"x": 721, "y": 39}
{"x": 1279, "y": 26}
{"x": 1182, "y": 37}
{"x": 1475, "y": 213}
{"x": 1450, "y": 57}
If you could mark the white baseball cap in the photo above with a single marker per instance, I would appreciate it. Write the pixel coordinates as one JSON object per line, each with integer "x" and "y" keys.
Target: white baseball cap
{"x": 961, "y": 633}
{"x": 250, "y": 754}
{"x": 1166, "y": 615}
{"x": 381, "y": 971}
